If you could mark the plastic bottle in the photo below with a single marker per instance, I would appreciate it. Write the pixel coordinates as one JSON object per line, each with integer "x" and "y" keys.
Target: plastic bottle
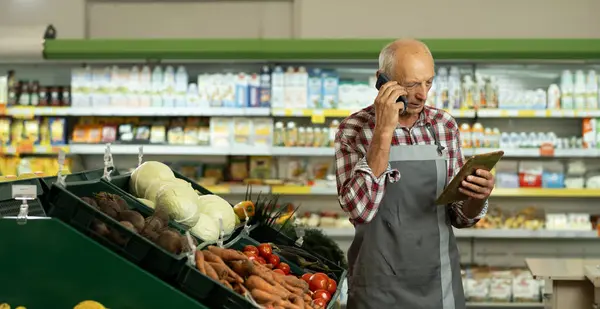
{"x": 591, "y": 90}
{"x": 553, "y": 97}
{"x": 566, "y": 88}
{"x": 443, "y": 98}
{"x": 468, "y": 94}
{"x": 465, "y": 135}
{"x": 454, "y": 88}
{"x": 580, "y": 90}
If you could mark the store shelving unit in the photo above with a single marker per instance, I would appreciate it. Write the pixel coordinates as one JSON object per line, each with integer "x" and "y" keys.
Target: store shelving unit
{"x": 477, "y": 245}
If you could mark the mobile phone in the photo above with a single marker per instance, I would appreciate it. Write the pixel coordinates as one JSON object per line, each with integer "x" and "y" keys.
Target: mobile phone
{"x": 381, "y": 80}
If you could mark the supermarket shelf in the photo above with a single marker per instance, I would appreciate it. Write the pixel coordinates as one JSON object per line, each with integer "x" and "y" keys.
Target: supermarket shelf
{"x": 505, "y": 305}
{"x": 499, "y": 192}
{"x": 148, "y": 149}
{"x": 313, "y": 49}
{"x": 550, "y": 193}
{"x": 303, "y": 151}
{"x": 13, "y": 150}
{"x": 490, "y": 233}
{"x": 236, "y": 189}
{"x": 535, "y": 152}
{"x": 25, "y": 112}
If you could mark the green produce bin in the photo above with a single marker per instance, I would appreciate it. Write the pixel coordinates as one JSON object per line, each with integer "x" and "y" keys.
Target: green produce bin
{"x": 66, "y": 204}
{"x": 10, "y": 207}
{"x": 79, "y": 176}
{"x": 122, "y": 183}
{"x": 47, "y": 264}
{"x": 264, "y": 233}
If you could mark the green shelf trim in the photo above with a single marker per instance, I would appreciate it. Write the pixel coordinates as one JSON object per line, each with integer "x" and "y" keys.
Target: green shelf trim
{"x": 304, "y": 49}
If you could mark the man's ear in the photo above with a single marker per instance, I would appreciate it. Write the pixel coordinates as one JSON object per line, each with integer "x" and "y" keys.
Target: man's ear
{"x": 377, "y": 74}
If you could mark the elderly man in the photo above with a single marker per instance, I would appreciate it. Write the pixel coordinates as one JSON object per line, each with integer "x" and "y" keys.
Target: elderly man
{"x": 390, "y": 168}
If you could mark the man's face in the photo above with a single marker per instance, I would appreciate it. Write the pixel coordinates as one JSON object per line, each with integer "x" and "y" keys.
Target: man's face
{"x": 415, "y": 72}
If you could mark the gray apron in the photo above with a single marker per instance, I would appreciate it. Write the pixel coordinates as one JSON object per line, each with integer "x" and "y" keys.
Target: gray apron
{"x": 407, "y": 257}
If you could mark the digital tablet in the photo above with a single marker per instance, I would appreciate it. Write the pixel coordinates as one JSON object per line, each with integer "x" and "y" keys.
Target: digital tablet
{"x": 485, "y": 161}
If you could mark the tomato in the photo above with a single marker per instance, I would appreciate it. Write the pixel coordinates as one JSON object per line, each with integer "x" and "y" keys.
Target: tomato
{"x": 253, "y": 257}
{"x": 318, "y": 281}
{"x": 273, "y": 260}
{"x": 279, "y": 271}
{"x": 285, "y": 267}
{"x": 265, "y": 250}
{"x": 261, "y": 260}
{"x": 306, "y": 277}
{"x": 323, "y": 294}
{"x": 331, "y": 286}
{"x": 319, "y": 303}
{"x": 251, "y": 248}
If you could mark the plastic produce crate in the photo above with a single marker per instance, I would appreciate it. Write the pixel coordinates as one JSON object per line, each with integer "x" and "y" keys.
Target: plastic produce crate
{"x": 122, "y": 182}
{"x": 263, "y": 233}
{"x": 66, "y": 205}
{"x": 212, "y": 293}
{"x": 79, "y": 176}
{"x": 10, "y": 207}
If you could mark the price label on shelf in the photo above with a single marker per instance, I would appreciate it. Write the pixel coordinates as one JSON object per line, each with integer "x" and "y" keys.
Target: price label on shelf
{"x": 547, "y": 150}
{"x": 25, "y": 148}
{"x": 317, "y": 117}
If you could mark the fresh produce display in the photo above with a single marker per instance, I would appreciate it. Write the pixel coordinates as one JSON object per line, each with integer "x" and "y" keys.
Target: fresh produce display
{"x": 258, "y": 272}
{"x": 155, "y": 227}
{"x": 316, "y": 246}
{"x": 155, "y": 185}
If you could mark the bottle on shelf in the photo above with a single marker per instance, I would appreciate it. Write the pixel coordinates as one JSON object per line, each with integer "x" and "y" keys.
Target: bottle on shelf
{"x": 566, "y": 88}
{"x": 579, "y": 90}
{"x": 591, "y": 90}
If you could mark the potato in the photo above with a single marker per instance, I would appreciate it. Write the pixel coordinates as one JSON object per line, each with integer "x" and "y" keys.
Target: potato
{"x": 134, "y": 217}
{"x": 170, "y": 241}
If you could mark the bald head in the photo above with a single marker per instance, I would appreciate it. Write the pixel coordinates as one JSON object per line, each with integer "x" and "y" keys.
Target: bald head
{"x": 400, "y": 51}
{"x": 410, "y": 63}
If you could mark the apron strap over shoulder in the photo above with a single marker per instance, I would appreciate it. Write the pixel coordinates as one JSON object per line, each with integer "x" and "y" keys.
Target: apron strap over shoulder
{"x": 436, "y": 139}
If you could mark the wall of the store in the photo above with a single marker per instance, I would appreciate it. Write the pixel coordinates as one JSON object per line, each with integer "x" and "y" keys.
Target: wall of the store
{"x": 308, "y": 18}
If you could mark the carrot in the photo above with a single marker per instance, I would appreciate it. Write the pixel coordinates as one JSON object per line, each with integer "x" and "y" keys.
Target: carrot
{"x": 255, "y": 282}
{"x": 225, "y": 271}
{"x": 296, "y": 291}
{"x": 263, "y": 297}
{"x": 307, "y": 299}
{"x": 211, "y": 257}
{"x": 228, "y": 254}
{"x": 295, "y": 282}
{"x": 225, "y": 283}
{"x": 210, "y": 271}
{"x": 219, "y": 269}
{"x": 240, "y": 288}
{"x": 289, "y": 305}
{"x": 242, "y": 268}
{"x": 200, "y": 261}
{"x": 263, "y": 272}
{"x": 297, "y": 300}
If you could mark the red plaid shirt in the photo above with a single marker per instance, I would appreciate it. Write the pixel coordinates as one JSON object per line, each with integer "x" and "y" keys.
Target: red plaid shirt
{"x": 359, "y": 191}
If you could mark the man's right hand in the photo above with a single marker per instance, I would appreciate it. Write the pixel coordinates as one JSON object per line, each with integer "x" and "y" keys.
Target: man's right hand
{"x": 387, "y": 109}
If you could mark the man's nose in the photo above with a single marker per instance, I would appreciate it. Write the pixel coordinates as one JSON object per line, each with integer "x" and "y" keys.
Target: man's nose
{"x": 421, "y": 92}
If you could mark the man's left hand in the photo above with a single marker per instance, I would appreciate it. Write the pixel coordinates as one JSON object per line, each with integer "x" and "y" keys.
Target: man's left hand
{"x": 478, "y": 186}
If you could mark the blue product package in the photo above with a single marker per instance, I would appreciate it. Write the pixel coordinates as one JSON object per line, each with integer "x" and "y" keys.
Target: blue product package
{"x": 553, "y": 180}
{"x": 265, "y": 87}
{"x": 507, "y": 180}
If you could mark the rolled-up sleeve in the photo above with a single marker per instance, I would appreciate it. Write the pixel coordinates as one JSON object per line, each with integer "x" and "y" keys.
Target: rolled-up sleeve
{"x": 359, "y": 190}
